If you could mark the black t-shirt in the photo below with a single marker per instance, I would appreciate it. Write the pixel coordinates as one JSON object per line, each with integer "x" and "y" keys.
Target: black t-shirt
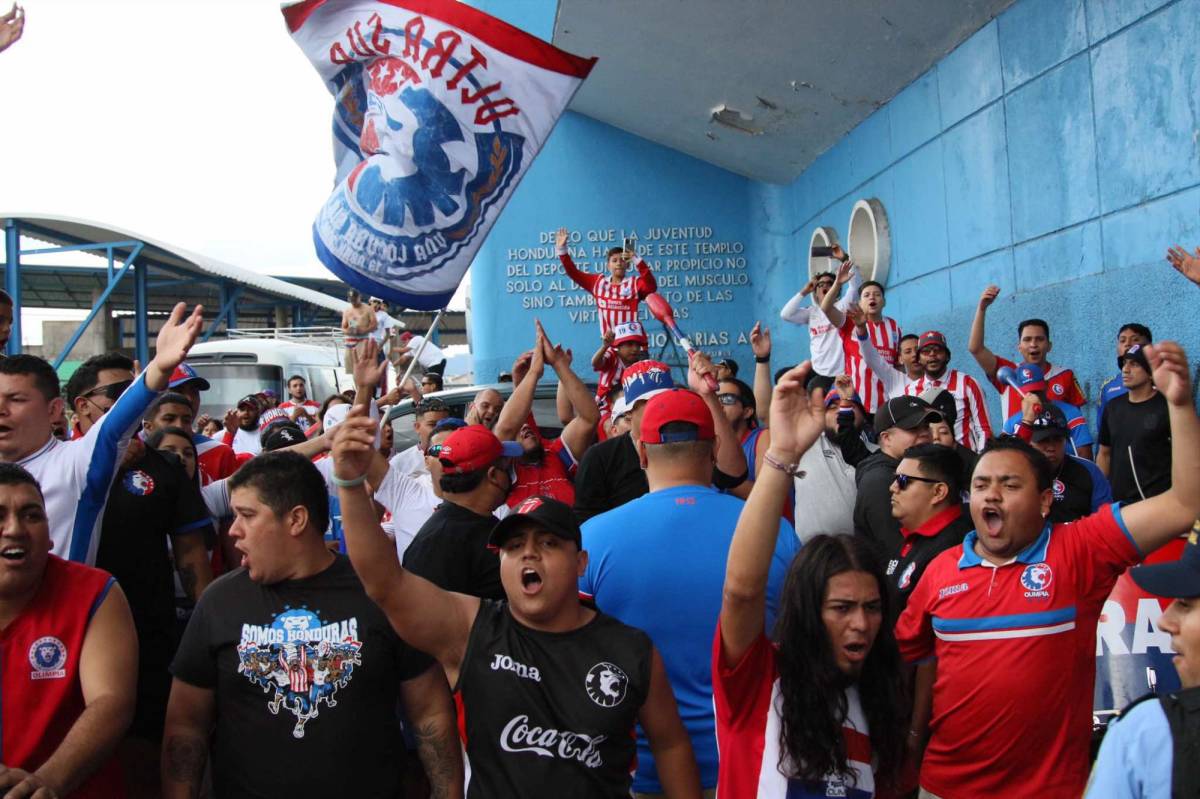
{"x": 1074, "y": 501}
{"x": 610, "y": 474}
{"x": 450, "y": 551}
{"x": 1141, "y": 430}
{"x": 148, "y": 502}
{"x": 307, "y": 676}
{"x": 552, "y": 714}
{"x": 908, "y": 563}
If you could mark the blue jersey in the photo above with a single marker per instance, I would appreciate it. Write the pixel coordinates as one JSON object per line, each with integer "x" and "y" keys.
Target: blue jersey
{"x": 1081, "y": 436}
{"x": 1114, "y": 388}
{"x": 658, "y": 563}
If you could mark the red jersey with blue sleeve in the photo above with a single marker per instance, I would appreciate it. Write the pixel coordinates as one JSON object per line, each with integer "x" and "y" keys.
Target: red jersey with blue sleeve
{"x": 747, "y": 699}
{"x": 40, "y": 692}
{"x": 1016, "y": 658}
{"x": 617, "y": 303}
{"x": 1061, "y": 385}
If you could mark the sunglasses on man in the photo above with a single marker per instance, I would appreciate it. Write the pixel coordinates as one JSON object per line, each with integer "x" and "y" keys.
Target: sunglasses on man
{"x": 903, "y": 481}
{"x": 728, "y": 399}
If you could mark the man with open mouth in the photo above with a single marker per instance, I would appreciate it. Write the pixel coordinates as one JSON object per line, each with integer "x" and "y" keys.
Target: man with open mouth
{"x": 1011, "y": 613}
{"x": 68, "y": 658}
{"x": 550, "y": 688}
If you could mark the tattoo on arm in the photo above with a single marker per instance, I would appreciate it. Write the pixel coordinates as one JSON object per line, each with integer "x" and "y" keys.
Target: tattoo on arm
{"x": 438, "y": 748}
{"x": 184, "y": 760}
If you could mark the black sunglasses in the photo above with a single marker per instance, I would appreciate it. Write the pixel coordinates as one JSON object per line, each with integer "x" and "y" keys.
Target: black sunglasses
{"x": 903, "y": 481}
{"x": 113, "y": 390}
{"x": 728, "y": 399}
{"x": 433, "y": 450}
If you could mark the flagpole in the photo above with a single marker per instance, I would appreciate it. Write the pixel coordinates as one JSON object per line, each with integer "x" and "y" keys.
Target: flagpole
{"x": 416, "y": 355}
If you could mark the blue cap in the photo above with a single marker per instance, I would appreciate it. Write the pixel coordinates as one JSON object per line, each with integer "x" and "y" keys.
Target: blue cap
{"x": 645, "y": 379}
{"x": 449, "y": 423}
{"x": 1180, "y": 578}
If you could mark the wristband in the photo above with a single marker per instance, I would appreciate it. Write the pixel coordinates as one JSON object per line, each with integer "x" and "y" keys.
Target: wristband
{"x": 352, "y": 483}
{"x": 763, "y": 359}
{"x": 790, "y": 469}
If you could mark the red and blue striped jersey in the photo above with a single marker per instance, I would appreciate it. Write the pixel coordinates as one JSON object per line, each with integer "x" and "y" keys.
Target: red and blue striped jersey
{"x": 1016, "y": 658}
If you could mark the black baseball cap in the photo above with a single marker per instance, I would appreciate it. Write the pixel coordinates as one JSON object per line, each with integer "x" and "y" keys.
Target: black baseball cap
{"x": 1137, "y": 355}
{"x": 906, "y": 413}
{"x": 546, "y": 513}
{"x": 943, "y": 402}
{"x": 1180, "y": 578}
{"x": 282, "y": 435}
{"x": 1050, "y": 423}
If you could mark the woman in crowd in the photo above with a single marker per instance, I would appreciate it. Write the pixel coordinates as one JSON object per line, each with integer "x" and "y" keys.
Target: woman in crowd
{"x": 831, "y": 683}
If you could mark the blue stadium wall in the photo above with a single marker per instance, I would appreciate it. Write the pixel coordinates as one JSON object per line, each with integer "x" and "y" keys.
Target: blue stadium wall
{"x": 1056, "y": 153}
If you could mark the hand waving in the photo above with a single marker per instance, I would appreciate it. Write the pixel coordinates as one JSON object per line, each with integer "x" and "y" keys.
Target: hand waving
{"x": 760, "y": 341}
{"x": 1171, "y": 375}
{"x": 797, "y": 420}
{"x": 368, "y": 368}
{"x": 353, "y": 443}
{"x": 1185, "y": 263}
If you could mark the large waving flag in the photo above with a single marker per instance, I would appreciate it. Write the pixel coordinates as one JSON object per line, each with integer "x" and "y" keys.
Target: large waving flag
{"x": 440, "y": 109}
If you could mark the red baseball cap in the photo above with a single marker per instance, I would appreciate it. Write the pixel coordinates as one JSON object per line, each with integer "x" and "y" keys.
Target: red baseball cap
{"x": 474, "y": 447}
{"x": 186, "y": 374}
{"x": 932, "y": 338}
{"x": 676, "y": 405}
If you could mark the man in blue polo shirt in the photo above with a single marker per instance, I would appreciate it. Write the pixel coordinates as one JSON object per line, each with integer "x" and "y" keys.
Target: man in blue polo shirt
{"x": 658, "y": 563}
{"x": 1127, "y": 336}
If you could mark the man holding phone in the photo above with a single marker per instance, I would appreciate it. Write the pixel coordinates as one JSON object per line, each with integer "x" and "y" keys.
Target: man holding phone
{"x": 825, "y": 345}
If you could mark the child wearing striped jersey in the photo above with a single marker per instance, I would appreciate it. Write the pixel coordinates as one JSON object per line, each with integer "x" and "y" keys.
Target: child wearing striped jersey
{"x": 618, "y": 294}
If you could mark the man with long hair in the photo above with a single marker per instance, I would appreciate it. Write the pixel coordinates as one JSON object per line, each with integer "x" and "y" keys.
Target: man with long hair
{"x": 832, "y": 685}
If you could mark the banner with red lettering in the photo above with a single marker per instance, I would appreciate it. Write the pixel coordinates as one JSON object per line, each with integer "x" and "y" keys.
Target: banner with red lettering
{"x": 439, "y": 111}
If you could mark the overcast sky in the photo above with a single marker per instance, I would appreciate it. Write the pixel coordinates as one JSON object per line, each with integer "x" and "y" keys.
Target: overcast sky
{"x": 198, "y": 123}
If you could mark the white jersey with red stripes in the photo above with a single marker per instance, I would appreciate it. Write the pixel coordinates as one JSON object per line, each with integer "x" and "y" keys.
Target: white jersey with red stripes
{"x": 885, "y": 336}
{"x": 972, "y": 428}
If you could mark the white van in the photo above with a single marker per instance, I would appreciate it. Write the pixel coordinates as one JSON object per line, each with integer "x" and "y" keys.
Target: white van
{"x": 241, "y": 365}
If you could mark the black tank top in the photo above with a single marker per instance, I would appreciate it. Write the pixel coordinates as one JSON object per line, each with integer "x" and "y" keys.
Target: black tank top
{"x": 552, "y": 714}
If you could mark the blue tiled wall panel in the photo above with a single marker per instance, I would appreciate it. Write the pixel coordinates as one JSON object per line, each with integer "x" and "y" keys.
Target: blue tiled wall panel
{"x": 870, "y": 147}
{"x": 1051, "y": 151}
{"x": 1065, "y": 255}
{"x": 918, "y": 218}
{"x": 968, "y": 279}
{"x": 977, "y": 195}
{"x": 1106, "y": 17}
{"x": 969, "y": 78}
{"x": 1038, "y": 34}
{"x": 1140, "y": 236}
{"x": 1147, "y": 82}
{"x": 915, "y": 115}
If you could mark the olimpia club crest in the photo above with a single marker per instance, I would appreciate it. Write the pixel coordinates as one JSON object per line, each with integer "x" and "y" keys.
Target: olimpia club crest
{"x": 440, "y": 110}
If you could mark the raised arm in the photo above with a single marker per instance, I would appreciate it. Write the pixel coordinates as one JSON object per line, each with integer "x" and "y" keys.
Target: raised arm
{"x": 893, "y": 380}
{"x": 830, "y": 303}
{"x": 425, "y": 616}
{"x": 795, "y": 311}
{"x": 1187, "y": 264}
{"x": 730, "y": 458}
{"x": 646, "y": 284}
{"x": 581, "y": 431}
{"x": 1155, "y": 521}
{"x": 983, "y": 356}
{"x": 107, "y": 678}
{"x": 669, "y": 741}
{"x": 796, "y": 422}
{"x": 600, "y": 357}
{"x": 517, "y": 407}
{"x": 760, "y": 345}
{"x": 581, "y": 278}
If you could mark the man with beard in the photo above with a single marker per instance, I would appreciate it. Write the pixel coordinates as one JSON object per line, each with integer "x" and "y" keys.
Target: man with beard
{"x": 300, "y": 409}
{"x": 1011, "y": 613}
{"x": 550, "y": 688}
{"x": 241, "y": 429}
{"x": 824, "y": 481}
{"x": 824, "y": 342}
{"x": 547, "y": 467}
{"x": 972, "y": 428}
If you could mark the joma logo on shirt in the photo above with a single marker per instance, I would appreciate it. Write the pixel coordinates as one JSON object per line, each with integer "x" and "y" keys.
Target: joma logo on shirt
{"x": 518, "y": 736}
{"x": 519, "y": 669}
{"x": 951, "y": 590}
